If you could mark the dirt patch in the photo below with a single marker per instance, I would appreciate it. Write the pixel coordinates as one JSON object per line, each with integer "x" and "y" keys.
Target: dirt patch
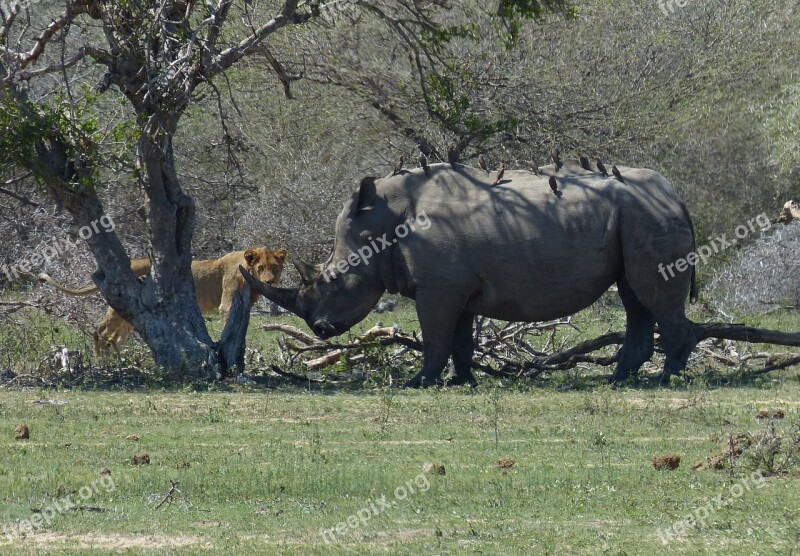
{"x": 434, "y": 469}
{"x": 405, "y": 534}
{"x": 22, "y": 432}
{"x": 770, "y": 414}
{"x": 506, "y": 463}
{"x": 141, "y": 459}
{"x": 670, "y": 462}
{"x": 666, "y": 403}
{"x": 111, "y": 541}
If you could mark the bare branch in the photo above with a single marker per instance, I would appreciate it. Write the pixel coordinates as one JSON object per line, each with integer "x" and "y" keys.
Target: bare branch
{"x": 279, "y": 71}
{"x": 20, "y": 198}
{"x": 292, "y": 331}
{"x": 9, "y": 21}
{"x": 230, "y": 56}
{"x": 218, "y": 20}
{"x": 74, "y": 59}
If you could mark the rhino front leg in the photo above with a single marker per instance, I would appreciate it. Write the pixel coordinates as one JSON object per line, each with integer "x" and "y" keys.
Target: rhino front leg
{"x": 463, "y": 349}
{"x": 438, "y": 315}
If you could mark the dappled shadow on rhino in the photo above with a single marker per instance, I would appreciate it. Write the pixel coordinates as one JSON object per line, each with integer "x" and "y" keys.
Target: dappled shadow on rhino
{"x": 461, "y": 247}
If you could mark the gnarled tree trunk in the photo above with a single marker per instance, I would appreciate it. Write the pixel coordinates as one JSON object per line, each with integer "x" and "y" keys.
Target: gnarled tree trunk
{"x": 162, "y": 307}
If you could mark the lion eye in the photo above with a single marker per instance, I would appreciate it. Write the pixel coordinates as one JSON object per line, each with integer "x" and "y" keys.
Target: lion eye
{"x": 274, "y": 268}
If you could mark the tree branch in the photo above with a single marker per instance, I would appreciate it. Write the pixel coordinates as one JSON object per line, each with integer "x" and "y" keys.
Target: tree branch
{"x": 20, "y": 198}
{"x": 230, "y": 56}
{"x": 74, "y": 59}
{"x": 279, "y": 71}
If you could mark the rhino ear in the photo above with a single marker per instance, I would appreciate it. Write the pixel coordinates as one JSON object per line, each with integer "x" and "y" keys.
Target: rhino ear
{"x": 366, "y": 194}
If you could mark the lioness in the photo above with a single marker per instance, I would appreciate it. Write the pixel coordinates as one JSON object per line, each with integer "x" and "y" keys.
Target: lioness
{"x": 214, "y": 280}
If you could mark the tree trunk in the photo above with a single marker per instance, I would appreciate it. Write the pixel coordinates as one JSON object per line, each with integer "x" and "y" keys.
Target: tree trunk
{"x": 167, "y": 316}
{"x": 162, "y": 307}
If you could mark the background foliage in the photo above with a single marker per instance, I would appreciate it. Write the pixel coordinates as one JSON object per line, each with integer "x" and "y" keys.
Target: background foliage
{"x": 708, "y": 94}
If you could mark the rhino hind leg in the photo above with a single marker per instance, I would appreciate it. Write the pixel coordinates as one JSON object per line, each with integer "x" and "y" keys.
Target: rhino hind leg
{"x": 637, "y": 347}
{"x": 463, "y": 349}
{"x": 678, "y": 339}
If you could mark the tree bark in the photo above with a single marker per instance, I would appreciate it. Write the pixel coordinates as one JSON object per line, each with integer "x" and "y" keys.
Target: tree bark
{"x": 167, "y": 315}
{"x": 232, "y": 341}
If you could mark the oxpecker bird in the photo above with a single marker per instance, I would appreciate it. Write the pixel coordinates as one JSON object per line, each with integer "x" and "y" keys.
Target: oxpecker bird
{"x": 585, "y": 163}
{"x": 533, "y": 166}
{"x": 423, "y": 162}
{"x": 500, "y": 171}
{"x": 553, "y": 185}
{"x": 602, "y": 168}
{"x": 398, "y": 167}
{"x": 554, "y": 156}
{"x": 615, "y": 171}
{"x": 482, "y": 163}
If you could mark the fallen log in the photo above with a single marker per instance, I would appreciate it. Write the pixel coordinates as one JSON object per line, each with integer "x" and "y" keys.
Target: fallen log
{"x": 743, "y": 333}
{"x": 783, "y": 365}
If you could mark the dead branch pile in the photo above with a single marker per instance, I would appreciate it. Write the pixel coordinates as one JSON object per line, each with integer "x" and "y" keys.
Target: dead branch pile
{"x": 524, "y": 349}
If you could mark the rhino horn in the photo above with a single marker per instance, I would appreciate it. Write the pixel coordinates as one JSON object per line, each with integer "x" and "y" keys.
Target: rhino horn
{"x": 285, "y": 297}
{"x": 309, "y": 273}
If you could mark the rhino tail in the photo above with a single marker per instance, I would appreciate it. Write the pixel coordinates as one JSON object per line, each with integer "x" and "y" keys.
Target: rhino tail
{"x": 693, "y": 295}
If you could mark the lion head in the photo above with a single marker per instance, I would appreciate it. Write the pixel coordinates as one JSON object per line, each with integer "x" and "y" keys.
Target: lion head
{"x": 266, "y": 264}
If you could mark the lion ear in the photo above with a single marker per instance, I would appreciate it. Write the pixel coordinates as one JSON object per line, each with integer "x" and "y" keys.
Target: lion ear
{"x": 249, "y": 255}
{"x": 280, "y": 255}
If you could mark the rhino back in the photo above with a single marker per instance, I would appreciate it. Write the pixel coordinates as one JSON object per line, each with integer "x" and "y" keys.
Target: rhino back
{"x": 517, "y": 250}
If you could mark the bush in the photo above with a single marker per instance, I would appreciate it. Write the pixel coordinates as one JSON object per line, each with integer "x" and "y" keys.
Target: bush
{"x": 762, "y": 276}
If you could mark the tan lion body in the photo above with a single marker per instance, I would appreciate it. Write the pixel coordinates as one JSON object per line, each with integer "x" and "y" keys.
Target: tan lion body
{"x": 215, "y": 281}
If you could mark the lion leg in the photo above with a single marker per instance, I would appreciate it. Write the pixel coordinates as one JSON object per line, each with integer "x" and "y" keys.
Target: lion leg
{"x": 229, "y": 287}
{"x": 99, "y": 344}
{"x": 113, "y": 330}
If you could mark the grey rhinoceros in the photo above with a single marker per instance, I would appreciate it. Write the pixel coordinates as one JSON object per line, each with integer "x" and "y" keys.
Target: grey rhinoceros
{"x": 515, "y": 251}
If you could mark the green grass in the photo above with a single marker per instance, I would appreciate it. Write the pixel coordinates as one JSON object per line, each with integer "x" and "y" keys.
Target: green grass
{"x": 264, "y": 471}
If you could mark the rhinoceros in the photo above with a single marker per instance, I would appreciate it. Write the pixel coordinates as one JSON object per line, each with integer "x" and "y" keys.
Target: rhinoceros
{"x": 515, "y": 251}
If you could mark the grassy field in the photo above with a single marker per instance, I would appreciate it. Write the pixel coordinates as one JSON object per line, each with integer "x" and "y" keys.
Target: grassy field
{"x": 562, "y": 465}
{"x": 271, "y": 472}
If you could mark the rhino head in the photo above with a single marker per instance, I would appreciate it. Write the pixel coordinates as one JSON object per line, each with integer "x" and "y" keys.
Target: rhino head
{"x": 341, "y": 292}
